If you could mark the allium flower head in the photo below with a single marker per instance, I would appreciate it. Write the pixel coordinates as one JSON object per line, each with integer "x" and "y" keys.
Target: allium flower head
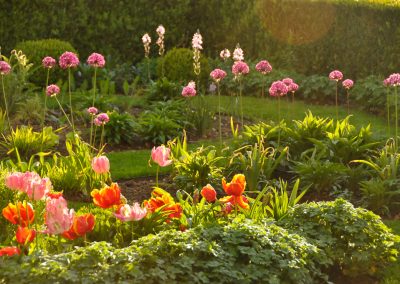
{"x": 68, "y": 60}
{"x": 96, "y": 60}
{"x": 5, "y": 68}
{"x": 238, "y": 54}
{"x": 336, "y": 75}
{"x": 103, "y": 118}
{"x": 189, "y": 90}
{"x": 264, "y": 67}
{"x": 48, "y": 62}
{"x": 348, "y": 84}
{"x": 225, "y": 54}
{"x": 197, "y": 41}
{"x": 217, "y": 75}
{"x": 52, "y": 90}
{"x": 394, "y": 80}
{"x": 97, "y": 122}
{"x": 386, "y": 82}
{"x": 287, "y": 81}
{"x": 92, "y": 110}
{"x": 293, "y": 87}
{"x": 160, "y": 30}
{"x": 278, "y": 88}
{"x": 240, "y": 68}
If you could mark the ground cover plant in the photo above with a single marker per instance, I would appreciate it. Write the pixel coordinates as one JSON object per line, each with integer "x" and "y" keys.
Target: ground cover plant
{"x": 236, "y": 168}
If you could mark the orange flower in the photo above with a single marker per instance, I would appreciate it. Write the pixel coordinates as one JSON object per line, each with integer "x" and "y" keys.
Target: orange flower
{"x": 81, "y": 225}
{"x": 162, "y": 199}
{"x": 21, "y": 213}
{"x": 175, "y": 209}
{"x": 107, "y": 196}
{"x": 209, "y": 193}
{"x": 236, "y": 200}
{"x": 25, "y": 235}
{"x": 9, "y": 251}
{"x": 236, "y": 186}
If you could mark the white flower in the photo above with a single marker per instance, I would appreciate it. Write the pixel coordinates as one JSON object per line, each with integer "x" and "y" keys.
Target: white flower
{"x": 146, "y": 39}
{"x": 197, "y": 41}
{"x": 225, "y": 54}
{"x": 160, "y": 30}
{"x": 238, "y": 54}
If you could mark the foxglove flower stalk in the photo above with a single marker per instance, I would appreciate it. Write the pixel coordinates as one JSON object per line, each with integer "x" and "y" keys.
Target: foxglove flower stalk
{"x": 225, "y": 54}
{"x": 394, "y": 81}
{"x": 197, "y": 45}
{"x": 336, "y": 75}
{"x": 160, "y": 41}
{"x": 238, "y": 54}
{"x": 5, "y": 69}
{"x": 264, "y": 68}
{"x": 146, "y": 39}
{"x": 217, "y": 75}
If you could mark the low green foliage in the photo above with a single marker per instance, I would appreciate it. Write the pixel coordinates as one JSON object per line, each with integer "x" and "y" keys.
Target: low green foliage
{"x": 119, "y": 130}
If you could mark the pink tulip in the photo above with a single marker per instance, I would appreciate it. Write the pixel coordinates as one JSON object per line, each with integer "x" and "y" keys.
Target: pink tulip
{"x": 29, "y": 182}
{"x": 58, "y": 217}
{"x": 101, "y": 165}
{"x": 15, "y": 181}
{"x": 160, "y": 155}
{"x": 127, "y": 213}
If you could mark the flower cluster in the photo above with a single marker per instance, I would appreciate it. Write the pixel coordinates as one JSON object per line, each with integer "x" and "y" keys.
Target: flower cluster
{"x": 263, "y": 67}
{"x": 30, "y": 183}
{"x": 217, "y": 75}
{"x": 101, "y": 119}
{"x": 160, "y": 41}
{"x": 58, "y": 217}
{"x": 291, "y": 85}
{"x": 238, "y": 54}
{"x": 96, "y": 60}
{"x": 5, "y": 68}
{"x": 68, "y": 60}
{"x": 92, "y": 110}
{"x": 197, "y": 42}
{"x": 146, "y": 39}
{"x": 52, "y": 90}
{"x": 393, "y": 80}
{"x": 189, "y": 90}
{"x": 336, "y": 75}
{"x": 348, "y": 84}
{"x": 240, "y": 68}
{"x": 225, "y": 54}
{"x": 278, "y": 88}
{"x": 48, "y": 62}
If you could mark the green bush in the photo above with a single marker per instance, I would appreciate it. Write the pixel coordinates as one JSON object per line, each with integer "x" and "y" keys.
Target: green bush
{"x": 119, "y": 130}
{"x": 178, "y": 66}
{"x": 163, "y": 89}
{"x": 354, "y": 239}
{"x": 36, "y": 50}
{"x": 235, "y": 252}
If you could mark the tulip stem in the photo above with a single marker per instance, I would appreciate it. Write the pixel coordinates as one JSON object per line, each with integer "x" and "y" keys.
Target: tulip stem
{"x": 158, "y": 168}
{"x": 102, "y": 136}
{"x": 94, "y": 97}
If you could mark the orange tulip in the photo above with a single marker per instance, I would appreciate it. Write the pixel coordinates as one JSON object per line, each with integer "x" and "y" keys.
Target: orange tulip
{"x": 21, "y": 213}
{"x": 236, "y": 186}
{"x": 25, "y": 235}
{"x": 107, "y": 196}
{"x": 236, "y": 200}
{"x": 82, "y": 225}
{"x": 175, "y": 209}
{"x": 209, "y": 193}
{"x": 162, "y": 199}
{"x": 10, "y": 251}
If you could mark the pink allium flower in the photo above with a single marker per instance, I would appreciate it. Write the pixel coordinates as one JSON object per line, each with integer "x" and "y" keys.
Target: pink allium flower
{"x": 189, "y": 90}
{"x": 146, "y": 39}
{"x": 238, "y": 54}
{"x": 217, "y": 75}
{"x": 288, "y": 81}
{"x": 264, "y": 67}
{"x": 386, "y": 82}
{"x": 348, "y": 84}
{"x": 97, "y": 122}
{"x": 68, "y": 60}
{"x": 92, "y": 110}
{"x": 197, "y": 41}
{"x": 49, "y": 62}
{"x": 58, "y": 218}
{"x": 225, "y": 54}
{"x": 96, "y": 60}
{"x": 160, "y": 30}
{"x": 5, "y": 68}
{"x": 278, "y": 88}
{"x": 101, "y": 165}
{"x": 52, "y": 90}
{"x": 127, "y": 213}
{"x": 293, "y": 87}
{"x": 103, "y": 118}
{"x": 336, "y": 75}
{"x": 240, "y": 68}
{"x": 394, "y": 80}
{"x": 160, "y": 155}
{"x": 15, "y": 181}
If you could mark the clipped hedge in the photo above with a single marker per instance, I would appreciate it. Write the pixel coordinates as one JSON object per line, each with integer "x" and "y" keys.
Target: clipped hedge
{"x": 358, "y": 37}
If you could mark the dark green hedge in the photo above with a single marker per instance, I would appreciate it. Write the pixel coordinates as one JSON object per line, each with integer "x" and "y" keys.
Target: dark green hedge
{"x": 308, "y": 36}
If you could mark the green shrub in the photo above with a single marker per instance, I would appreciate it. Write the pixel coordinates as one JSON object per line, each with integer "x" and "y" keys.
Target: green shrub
{"x": 178, "y": 65}
{"x": 355, "y": 239}
{"x": 36, "y": 50}
{"x": 120, "y": 129}
{"x": 163, "y": 89}
{"x": 235, "y": 252}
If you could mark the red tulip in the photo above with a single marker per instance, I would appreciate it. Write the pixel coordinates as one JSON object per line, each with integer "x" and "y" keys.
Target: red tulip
{"x": 209, "y": 193}
{"x": 25, "y": 235}
{"x": 107, "y": 196}
{"x": 21, "y": 214}
{"x": 81, "y": 225}
{"x": 10, "y": 251}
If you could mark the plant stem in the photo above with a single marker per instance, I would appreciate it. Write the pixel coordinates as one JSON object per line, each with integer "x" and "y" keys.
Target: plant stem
{"x": 241, "y": 102}
{"x": 102, "y": 136}
{"x": 348, "y": 103}
{"x": 158, "y": 168}
{"x": 219, "y": 113}
{"x": 388, "y": 109}
{"x": 45, "y": 98}
{"x": 148, "y": 69}
{"x": 336, "y": 100}
{"x": 6, "y": 106}
{"x": 70, "y": 100}
{"x": 279, "y": 120}
{"x": 397, "y": 121}
{"x": 62, "y": 109}
{"x": 94, "y": 97}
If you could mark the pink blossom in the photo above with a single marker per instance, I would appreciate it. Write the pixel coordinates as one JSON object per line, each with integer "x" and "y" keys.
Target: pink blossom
{"x": 103, "y": 118}
{"x": 348, "y": 84}
{"x": 97, "y": 122}
{"x": 49, "y": 62}
{"x": 58, "y": 218}
{"x": 394, "y": 80}
{"x": 197, "y": 41}
{"x": 5, "y": 68}
{"x": 288, "y": 81}
{"x": 68, "y": 60}
{"x": 15, "y": 181}
{"x": 293, "y": 87}
{"x": 92, "y": 110}
{"x": 225, "y": 54}
{"x": 160, "y": 155}
{"x": 240, "y": 68}
{"x": 189, "y": 90}
{"x": 264, "y": 67}
{"x": 30, "y": 183}
{"x": 101, "y": 165}
{"x": 386, "y": 82}
{"x": 96, "y": 60}
{"x": 217, "y": 75}
{"x": 160, "y": 30}
{"x": 238, "y": 54}
{"x": 278, "y": 88}
{"x": 127, "y": 213}
{"x": 52, "y": 90}
{"x": 336, "y": 75}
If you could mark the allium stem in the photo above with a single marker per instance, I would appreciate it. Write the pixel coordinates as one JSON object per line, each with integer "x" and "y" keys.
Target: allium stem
{"x": 279, "y": 120}
{"x": 219, "y": 113}
{"x": 336, "y": 100}
{"x": 6, "y": 106}
{"x": 388, "y": 109}
{"x": 62, "y": 109}
{"x": 241, "y": 102}
{"x": 102, "y": 137}
{"x": 348, "y": 103}
{"x": 45, "y": 97}
{"x": 70, "y": 100}
{"x": 94, "y": 98}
